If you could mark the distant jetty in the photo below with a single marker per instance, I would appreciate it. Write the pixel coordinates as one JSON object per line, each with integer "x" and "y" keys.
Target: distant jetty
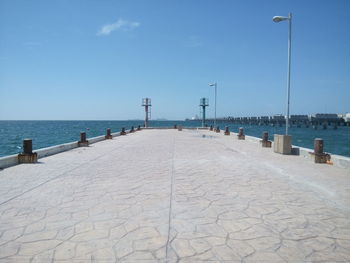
{"x": 322, "y": 119}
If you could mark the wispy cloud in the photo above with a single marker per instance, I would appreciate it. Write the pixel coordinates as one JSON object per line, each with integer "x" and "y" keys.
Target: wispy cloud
{"x": 121, "y": 25}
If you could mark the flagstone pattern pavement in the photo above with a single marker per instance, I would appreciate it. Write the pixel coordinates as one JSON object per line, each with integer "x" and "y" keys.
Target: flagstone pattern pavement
{"x": 174, "y": 196}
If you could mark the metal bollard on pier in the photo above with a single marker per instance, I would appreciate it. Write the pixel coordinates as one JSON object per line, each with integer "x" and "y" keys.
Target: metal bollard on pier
{"x": 108, "y": 134}
{"x": 265, "y": 140}
{"x": 123, "y": 131}
{"x": 217, "y": 130}
{"x": 240, "y": 134}
{"x": 132, "y": 129}
{"x": 179, "y": 128}
{"x": 227, "y": 131}
{"x": 211, "y": 128}
{"x": 320, "y": 156}
{"x": 139, "y": 128}
{"x": 83, "y": 142}
{"x": 175, "y": 126}
{"x": 27, "y": 156}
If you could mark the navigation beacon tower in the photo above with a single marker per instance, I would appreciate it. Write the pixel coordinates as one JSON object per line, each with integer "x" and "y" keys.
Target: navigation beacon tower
{"x": 204, "y": 102}
{"x": 146, "y": 102}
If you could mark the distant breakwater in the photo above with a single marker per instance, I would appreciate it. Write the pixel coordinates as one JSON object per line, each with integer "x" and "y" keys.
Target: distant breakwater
{"x": 319, "y": 120}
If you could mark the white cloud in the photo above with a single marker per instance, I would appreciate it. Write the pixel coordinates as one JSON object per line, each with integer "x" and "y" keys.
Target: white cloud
{"x": 121, "y": 24}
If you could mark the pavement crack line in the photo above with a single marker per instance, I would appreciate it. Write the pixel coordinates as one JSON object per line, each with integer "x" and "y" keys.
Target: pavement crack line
{"x": 170, "y": 201}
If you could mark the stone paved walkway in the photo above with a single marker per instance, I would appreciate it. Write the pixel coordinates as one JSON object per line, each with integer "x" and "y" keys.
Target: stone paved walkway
{"x": 170, "y": 196}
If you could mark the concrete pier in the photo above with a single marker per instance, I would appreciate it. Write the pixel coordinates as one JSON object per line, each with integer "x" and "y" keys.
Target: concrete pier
{"x": 169, "y": 196}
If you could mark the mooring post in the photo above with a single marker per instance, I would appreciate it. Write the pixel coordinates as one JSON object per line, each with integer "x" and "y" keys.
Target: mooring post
{"x": 27, "y": 146}
{"x": 265, "y": 140}
{"x": 320, "y": 156}
{"x": 175, "y": 126}
{"x": 227, "y": 131}
{"x": 83, "y": 141}
{"x": 179, "y": 128}
{"x": 123, "y": 131}
{"x": 211, "y": 127}
{"x": 132, "y": 129}
{"x": 217, "y": 129}
{"x": 27, "y": 156}
{"x": 241, "y": 135}
{"x": 108, "y": 134}
{"x": 139, "y": 128}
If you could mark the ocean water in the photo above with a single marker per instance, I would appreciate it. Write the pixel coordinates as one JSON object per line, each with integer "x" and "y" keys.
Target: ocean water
{"x": 49, "y": 133}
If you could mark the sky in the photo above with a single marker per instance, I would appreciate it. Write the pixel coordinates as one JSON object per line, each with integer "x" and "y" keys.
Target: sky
{"x": 97, "y": 59}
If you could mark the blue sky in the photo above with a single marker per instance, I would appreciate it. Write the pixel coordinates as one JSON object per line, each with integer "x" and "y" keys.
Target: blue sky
{"x": 96, "y": 59}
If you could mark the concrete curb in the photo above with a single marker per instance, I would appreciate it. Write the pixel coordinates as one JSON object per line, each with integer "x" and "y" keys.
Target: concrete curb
{"x": 11, "y": 160}
{"x": 338, "y": 160}
{"x": 8, "y": 161}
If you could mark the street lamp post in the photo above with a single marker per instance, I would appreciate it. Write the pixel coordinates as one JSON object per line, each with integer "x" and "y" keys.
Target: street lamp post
{"x": 211, "y": 85}
{"x": 279, "y": 19}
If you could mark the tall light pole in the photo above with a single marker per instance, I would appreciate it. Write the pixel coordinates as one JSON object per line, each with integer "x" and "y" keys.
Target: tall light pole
{"x": 211, "y": 85}
{"x": 279, "y": 19}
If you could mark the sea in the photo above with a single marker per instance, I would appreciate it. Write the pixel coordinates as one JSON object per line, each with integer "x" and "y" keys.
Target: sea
{"x": 49, "y": 133}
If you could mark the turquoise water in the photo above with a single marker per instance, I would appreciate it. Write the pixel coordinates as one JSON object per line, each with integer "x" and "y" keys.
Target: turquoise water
{"x": 49, "y": 133}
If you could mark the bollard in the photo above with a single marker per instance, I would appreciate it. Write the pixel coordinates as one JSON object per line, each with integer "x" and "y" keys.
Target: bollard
{"x": 241, "y": 135}
{"x": 27, "y": 156}
{"x": 83, "y": 141}
{"x": 175, "y": 126}
{"x": 227, "y": 131}
{"x": 27, "y": 146}
{"x": 132, "y": 129}
{"x": 217, "y": 130}
{"x": 108, "y": 134}
{"x": 265, "y": 140}
{"x": 123, "y": 131}
{"x": 320, "y": 156}
{"x": 179, "y": 128}
{"x": 139, "y": 128}
{"x": 211, "y": 127}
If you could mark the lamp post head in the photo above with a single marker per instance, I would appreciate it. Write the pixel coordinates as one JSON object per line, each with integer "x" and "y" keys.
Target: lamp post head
{"x": 212, "y": 84}
{"x": 277, "y": 19}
